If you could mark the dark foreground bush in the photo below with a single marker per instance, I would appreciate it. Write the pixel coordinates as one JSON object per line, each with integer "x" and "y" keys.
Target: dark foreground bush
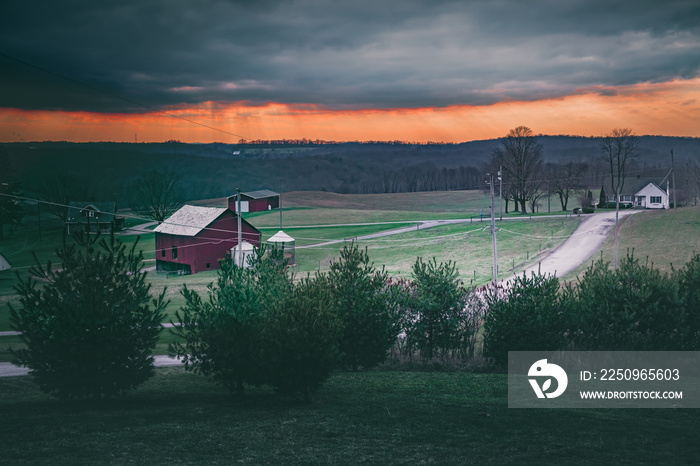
{"x": 366, "y": 308}
{"x": 436, "y": 321}
{"x": 220, "y": 337}
{"x": 89, "y": 327}
{"x": 257, "y": 327}
{"x": 689, "y": 284}
{"x": 300, "y": 339}
{"x": 633, "y": 308}
{"x": 530, "y": 317}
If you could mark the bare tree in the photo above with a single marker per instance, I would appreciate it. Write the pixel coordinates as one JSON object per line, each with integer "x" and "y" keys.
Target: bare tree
{"x": 618, "y": 149}
{"x": 692, "y": 182}
{"x": 157, "y": 194}
{"x": 566, "y": 180}
{"x": 521, "y": 159}
{"x": 59, "y": 191}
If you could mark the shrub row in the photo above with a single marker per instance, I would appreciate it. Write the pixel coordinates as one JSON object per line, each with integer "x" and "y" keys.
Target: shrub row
{"x": 91, "y": 326}
{"x": 260, "y": 327}
{"x": 633, "y": 308}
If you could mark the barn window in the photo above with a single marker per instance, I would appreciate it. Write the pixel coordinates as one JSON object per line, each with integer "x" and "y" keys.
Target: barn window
{"x": 208, "y": 264}
{"x": 655, "y": 199}
{"x": 174, "y": 252}
{"x": 162, "y": 253}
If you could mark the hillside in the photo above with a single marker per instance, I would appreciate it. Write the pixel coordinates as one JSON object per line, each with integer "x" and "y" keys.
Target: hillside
{"x": 108, "y": 170}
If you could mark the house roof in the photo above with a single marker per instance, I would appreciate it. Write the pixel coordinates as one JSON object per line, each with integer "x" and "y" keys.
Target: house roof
{"x": 189, "y": 220}
{"x": 633, "y": 185}
{"x": 653, "y": 184}
{"x": 280, "y": 237}
{"x": 104, "y": 212}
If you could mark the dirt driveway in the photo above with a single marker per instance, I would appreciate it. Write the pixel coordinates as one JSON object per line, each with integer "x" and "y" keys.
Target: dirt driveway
{"x": 588, "y": 238}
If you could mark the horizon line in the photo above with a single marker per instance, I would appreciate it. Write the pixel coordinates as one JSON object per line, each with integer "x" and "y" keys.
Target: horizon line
{"x": 298, "y": 141}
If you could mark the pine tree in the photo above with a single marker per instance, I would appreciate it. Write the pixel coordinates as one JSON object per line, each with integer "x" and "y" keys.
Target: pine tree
{"x": 359, "y": 296}
{"x": 603, "y": 201}
{"x": 90, "y": 326}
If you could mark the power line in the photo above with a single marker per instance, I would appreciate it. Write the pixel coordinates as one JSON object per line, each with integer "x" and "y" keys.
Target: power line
{"x": 134, "y": 217}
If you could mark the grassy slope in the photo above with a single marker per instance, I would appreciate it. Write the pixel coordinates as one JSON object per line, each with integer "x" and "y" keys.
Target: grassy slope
{"x": 367, "y": 417}
{"x": 663, "y": 237}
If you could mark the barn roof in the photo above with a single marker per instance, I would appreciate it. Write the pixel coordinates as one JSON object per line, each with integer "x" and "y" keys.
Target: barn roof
{"x": 261, "y": 194}
{"x": 189, "y": 220}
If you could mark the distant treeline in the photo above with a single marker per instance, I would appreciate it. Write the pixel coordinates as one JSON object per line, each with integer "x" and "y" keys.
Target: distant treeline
{"x": 320, "y": 142}
{"x": 417, "y": 179}
{"x": 108, "y": 170}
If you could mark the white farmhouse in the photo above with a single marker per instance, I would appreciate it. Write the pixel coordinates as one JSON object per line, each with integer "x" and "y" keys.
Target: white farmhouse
{"x": 642, "y": 194}
{"x": 651, "y": 196}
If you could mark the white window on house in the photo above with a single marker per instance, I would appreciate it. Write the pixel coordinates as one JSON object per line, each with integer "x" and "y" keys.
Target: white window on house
{"x": 655, "y": 199}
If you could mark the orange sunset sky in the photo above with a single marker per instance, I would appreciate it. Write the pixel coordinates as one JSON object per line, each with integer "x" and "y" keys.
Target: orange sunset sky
{"x": 410, "y": 70}
{"x": 671, "y": 108}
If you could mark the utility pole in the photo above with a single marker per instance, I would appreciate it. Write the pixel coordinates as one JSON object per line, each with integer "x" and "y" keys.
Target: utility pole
{"x": 500, "y": 192}
{"x": 239, "y": 247}
{"x": 673, "y": 180}
{"x": 493, "y": 231}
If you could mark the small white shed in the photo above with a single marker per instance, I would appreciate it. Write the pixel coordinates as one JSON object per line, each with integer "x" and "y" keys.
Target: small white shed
{"x": 285, "y": 242}
{"x": 246, "y": 249}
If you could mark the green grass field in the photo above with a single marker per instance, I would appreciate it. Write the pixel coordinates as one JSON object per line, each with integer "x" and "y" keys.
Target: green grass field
{"x": 356, "y": 418}
{"x": 665, "y": 237}
{"x": 468, "y": 245}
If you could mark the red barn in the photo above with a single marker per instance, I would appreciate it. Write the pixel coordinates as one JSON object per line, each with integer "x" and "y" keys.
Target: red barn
{"x": 195, "y": 238}
{"x": 256, "y": 201}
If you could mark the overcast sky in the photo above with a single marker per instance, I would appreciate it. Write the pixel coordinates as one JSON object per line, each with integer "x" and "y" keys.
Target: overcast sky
{"x": 377, "y": 54}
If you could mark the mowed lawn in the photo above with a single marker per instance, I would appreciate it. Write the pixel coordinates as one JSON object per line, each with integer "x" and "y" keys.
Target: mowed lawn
{"x": 375, "y": 417}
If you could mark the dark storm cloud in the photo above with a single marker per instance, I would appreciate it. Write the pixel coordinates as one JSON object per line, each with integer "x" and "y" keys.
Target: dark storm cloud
{"x": 360, "y": 54}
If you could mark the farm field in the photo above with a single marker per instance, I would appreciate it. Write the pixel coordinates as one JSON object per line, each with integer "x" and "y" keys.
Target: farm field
{"x": 468, "y": 245}
{"x": 375, "y": 417}
{"x": 520, "y": 242}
